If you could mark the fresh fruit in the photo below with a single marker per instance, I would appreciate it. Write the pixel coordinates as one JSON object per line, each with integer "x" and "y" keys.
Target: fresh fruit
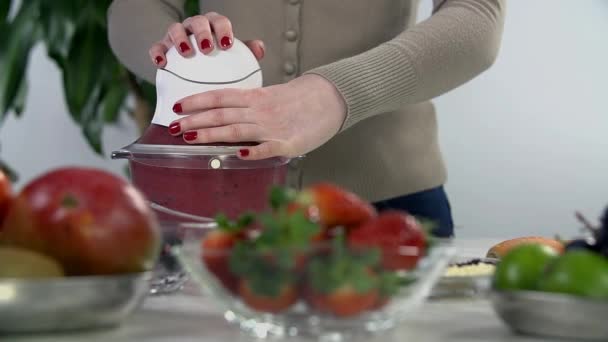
{"x": 523, "y": 266}
{"x": 343, "y": 283}
{"x": 335, "y": 206}
{"x": 580, "y": 273}
{"x": 5, "y": 196}
{"x": 345, "y": 301}
{"x": 263, "y": 301}
{"x": 21, "y": 263}
{"x": 90, "y": 221}
{"x": 501, "y": 249}
{"x": 398, "y": 235}
{"x": 217, "y": 245}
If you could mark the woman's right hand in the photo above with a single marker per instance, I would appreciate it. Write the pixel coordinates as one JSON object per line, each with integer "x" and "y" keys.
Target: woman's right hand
{"x": 203, "y": 27}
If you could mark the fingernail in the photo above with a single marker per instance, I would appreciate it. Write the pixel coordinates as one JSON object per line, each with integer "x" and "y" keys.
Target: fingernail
{"x": 189, "y": 136}
{"x": 174, "y": 128}
{"x": 244, "y": 152}
{"x": 158, "y": 60}
{"x": 205, "y": 44}
{"x": 226, "y": 42}
{"x": 177, "y": 108}
{"x": 183, "y": 47}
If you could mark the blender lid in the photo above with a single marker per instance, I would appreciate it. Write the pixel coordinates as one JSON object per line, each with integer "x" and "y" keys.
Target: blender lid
{"x": 218, "y": 67}
{"x": 194, "y": 156}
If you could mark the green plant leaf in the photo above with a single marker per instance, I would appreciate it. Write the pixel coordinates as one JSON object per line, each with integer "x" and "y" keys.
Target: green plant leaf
{"x": 100, "y": 9}
{"x": 8, "y": 171}
{"x": 21, "y": 97}
{"x": 15, "y": 47}
{"x": 58, "y": 20}
{"x": 191, "y": 8}
{"x": 86, "y": 56}
{"x": 149, "y": 92}
{"x": 92, "y": 119}
{"x": 5, "y": 7}
{"x": 112, "y": 102}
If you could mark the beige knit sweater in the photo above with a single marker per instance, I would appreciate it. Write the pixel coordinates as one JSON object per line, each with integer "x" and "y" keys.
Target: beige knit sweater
{"x": 385, "y": 65}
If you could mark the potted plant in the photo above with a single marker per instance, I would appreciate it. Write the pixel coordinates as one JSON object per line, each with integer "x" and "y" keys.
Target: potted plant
{"x": 96, "y": 86}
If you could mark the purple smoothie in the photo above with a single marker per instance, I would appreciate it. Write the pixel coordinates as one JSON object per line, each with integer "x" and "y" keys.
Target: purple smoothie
{"x": 196, "y": 189}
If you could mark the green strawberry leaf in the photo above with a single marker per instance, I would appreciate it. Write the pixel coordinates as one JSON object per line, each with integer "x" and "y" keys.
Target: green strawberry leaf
{"x": 266, "y": 276}
{"x": 389, "y": 283}
{"x": 282, "y": 230}
{"x": 242, "y": 261}
{"x": 428, "y": 226}
{"x": 281, "y": 196}
{"x": 343, "y": 268}
{"x": 270, "y": 282}
{"x": 230, "y": 226}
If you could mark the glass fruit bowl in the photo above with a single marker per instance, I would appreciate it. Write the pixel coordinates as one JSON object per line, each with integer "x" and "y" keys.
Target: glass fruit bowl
{"x": 324, "y": 289}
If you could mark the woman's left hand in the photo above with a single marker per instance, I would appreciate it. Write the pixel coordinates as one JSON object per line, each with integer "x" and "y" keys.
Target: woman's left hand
{"x": 288, "y": 120}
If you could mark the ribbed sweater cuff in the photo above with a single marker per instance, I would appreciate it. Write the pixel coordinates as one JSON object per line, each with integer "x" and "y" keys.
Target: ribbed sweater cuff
{"x": 371, "y": 83}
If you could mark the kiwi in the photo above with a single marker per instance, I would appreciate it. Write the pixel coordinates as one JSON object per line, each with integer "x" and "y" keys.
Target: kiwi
{"x": 22, "y": 263}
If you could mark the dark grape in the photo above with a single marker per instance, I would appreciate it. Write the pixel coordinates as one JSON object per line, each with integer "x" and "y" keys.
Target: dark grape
{"x": 581, "y": 244}
{"x": 602, "y": 234}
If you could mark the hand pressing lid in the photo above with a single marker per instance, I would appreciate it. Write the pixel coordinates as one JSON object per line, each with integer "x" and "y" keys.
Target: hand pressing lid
{"x": 236, "y": 67}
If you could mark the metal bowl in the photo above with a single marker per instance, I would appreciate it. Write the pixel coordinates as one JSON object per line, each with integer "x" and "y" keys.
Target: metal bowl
{"x": 70, "y": 303}
{"x": 552, "y": 315}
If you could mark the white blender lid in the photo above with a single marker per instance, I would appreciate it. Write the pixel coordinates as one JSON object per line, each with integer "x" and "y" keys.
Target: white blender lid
{"x": 236, "y": 67}
{"x": 219, "y": 67}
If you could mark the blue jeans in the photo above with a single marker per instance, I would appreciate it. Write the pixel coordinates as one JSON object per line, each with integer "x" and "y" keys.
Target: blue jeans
{"x": 431, "y": 204}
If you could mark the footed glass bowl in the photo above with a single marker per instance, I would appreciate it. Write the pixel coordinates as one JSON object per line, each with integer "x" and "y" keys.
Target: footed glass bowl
{"x": 319, "y": 292}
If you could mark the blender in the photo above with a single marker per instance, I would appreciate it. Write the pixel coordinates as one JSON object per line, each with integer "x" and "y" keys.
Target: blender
{"x": 187, "y": 183}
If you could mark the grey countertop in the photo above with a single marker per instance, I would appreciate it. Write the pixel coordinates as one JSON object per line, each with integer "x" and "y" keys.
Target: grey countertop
{"x": 187, "y": 317}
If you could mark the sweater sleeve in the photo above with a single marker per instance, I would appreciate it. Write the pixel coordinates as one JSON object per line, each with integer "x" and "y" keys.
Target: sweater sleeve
{"x": 135, "y": 25}
{"x": 459, "y": 41}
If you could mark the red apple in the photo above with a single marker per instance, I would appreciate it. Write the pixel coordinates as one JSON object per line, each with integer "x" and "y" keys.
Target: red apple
{"x": 91, "y": 221}
{"x": 5, "y": 196}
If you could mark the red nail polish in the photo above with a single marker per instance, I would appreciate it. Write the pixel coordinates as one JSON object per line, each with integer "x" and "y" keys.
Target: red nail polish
{"x": 244, "y": 152}
{"x": 183, "y": 47}
{"x": 158, "y": 60}
{"x": 174, "y": 128}
{"x": 189, "y": 136}
{"x": 205, "y": 44}
{"x": 177, "y": 108}
{"x": 226, "y": 42}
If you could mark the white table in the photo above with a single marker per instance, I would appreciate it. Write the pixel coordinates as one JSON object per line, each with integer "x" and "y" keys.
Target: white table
{"x": 190, "y": 318}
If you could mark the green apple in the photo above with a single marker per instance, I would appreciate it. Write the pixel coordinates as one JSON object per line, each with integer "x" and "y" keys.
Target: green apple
{"x": 523, "y": 266}
{"x": 578, "y": 272}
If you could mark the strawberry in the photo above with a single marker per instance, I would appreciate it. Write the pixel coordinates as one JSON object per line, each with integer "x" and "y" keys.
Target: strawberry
{"x": 342, "y": 283}
{"x": 285, "y": 238}
{"x": 335, "y": 206}
{"x": 217, "y": 245}
{"x": 267, "y": 279}
{"x": 346, "y": 301}
{"x": 399, "y": 236}
{"x": 282, "y": 299}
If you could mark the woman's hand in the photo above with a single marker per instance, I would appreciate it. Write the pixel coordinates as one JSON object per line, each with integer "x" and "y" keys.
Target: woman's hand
{"x": 202, "y": 27}
{"x": 289, "y": 119}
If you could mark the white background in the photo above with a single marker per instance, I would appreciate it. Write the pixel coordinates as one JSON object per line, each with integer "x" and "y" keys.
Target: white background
{"x": 526, "y": 142}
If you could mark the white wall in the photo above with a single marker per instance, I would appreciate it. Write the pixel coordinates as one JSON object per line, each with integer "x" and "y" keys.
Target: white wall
{"x": 46, "y": 137}
{"x": 526, "y": 143}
